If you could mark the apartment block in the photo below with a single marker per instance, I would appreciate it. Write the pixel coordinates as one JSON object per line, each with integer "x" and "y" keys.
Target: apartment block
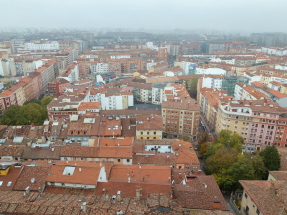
{"x": 181, "y": 116}
{"x": 256, "y": 121}
{"x": 149, "y": 127}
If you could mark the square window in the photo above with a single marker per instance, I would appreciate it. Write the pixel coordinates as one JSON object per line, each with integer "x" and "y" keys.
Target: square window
{"x": 119, "y": 160}
{"x": 1, "y": 182}
{"x": 128, "y": 160}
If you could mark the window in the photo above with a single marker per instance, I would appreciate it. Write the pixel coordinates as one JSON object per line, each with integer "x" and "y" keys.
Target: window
{"x": 74, "y": 185}
{"x": 147, "y": 132}
{"x": 63, "y": 184}
{"x": 104, "y": 159}
{"x": 74, "y": 158}
{"x": 1, "y": 182}
{"x": 154, "y": 132}
{"x": 82, "y": 159}
{"x": 119, "y": 160}
{"x": 128, "y": 160}
{"x": 154, "y": 138}
{"x": 246, "y": 195}
{"x": 141, "y": 132}
{"x": 258, "y": 211}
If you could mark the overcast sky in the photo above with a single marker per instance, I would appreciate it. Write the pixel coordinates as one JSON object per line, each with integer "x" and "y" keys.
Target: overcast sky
{"x": 237, "y": 15}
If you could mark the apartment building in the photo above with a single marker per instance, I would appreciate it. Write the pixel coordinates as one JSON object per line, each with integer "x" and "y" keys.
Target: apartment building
{"x": 158, "y": 93}
{"x": 126, "y": 65}
{"x": 70, "y": 73}
{"x": 256, "y": 121}
{"x": 181, "y": 116}
{"x": 244, "y": 91}
{"x": 208, "y": 102}
{"x": 57, "y": 87}
{"x": 47, "y": 73}
{"x": 149, "y": 127}
{"x": 41, "y": 45}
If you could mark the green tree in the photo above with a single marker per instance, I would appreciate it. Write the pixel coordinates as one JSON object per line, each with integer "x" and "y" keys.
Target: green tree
{"x": 32, "y": 113}
{"x": 46, "y": 100}
{"x": 9, "y": 116}
{"x": 36, "y": 101}
{"x": 230, "y": 139}
{"x": 203, "y": 149}
{"x": 271, "y": 158}
{"x": 221, "y": 160}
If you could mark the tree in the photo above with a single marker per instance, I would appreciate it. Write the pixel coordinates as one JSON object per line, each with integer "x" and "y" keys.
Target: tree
{"x": 36, "y": 101}
{"x": 9, "y": 116}
{"x": 185, "y": 138}
{"x": 32, "y": 113}
{"x": 230, "y": 139}
{"x": 46, "y": 100}
{"x": 203, "y": 149}
{"x": 203, "y": 137}
{"x": 24, "y": 115}
{"x": 271, "y": 158}
{"x": 221, "y": 160}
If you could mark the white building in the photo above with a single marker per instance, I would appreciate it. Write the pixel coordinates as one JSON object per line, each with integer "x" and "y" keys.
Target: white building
{"x": 113, "y": 101}
{"x": 251, "y": 77}
{"x": 121, "y": 56}
{"x": 228, "y": 60}
{"x": 281, "y": 67}
{"x": 274, "y": 51}
{"x": 48, "y": 45}
{"x": 212, "y": 82}
{"x": 102, "y": 67}
{"x": 210, "y": 71}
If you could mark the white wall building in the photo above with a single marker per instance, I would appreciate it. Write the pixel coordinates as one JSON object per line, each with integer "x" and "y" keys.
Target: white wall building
{"x": 102, "y": 67}
{"x": 274, "y": 51}
{"x": 121, "y": 56}
{"x": 49, "y": 45}
{"x": 212, "y": 82}
{"x": 281, "y": 67}
{"x": 252, "y": 77}
{"x": 210, "y": 71}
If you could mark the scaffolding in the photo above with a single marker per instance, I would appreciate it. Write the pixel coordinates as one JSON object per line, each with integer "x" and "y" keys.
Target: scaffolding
{"x": 228, "y": 84}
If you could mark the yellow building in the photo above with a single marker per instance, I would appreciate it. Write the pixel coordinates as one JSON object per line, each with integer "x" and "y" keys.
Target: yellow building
{"x": 4, "y": 170}
{"x": 149, "y": 127}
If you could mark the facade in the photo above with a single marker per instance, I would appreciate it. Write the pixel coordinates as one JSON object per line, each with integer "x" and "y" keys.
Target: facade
{"x": 256, "y": 121}
{"x": 44, "y": 45}
{"x": 181, "y": 116}
{"x": 158, "y": 93}
{"x": 149, "y": 127}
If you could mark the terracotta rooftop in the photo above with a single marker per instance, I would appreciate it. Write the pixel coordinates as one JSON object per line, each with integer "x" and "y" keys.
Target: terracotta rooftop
{"x": 85, "y": 172}
{"x": 12, "y": 177}
{"x": 15, "y": 151}
{"x": 200, "y": 193}
{"x": 269, "y": 196}
{"x": 145, "y": 122}
{"x": 39, "y": 173}
{"x": 43, "y": 153}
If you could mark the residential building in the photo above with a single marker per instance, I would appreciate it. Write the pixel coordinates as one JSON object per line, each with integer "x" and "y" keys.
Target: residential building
{"x": 78, "y": 174}
{"x": 181, "y": 116}
{"x": 263, "y": 197}
{"x": 158, "y": 93}
{"x": 255, "y": 121}
{"x": 118, "y": 155}
{"x": 243, "y": 91}
{"x": 42, "y": 45}
{"x": 208, "y": 188}
{"x": 149, "y": 127}
{"x": 57, "y": 87}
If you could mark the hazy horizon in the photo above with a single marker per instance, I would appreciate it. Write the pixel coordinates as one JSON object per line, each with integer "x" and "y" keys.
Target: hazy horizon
{"x": 223, "y": 15}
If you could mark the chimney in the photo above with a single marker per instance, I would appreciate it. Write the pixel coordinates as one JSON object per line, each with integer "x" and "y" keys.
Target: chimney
{"x": 53, "y": 149}
{"x": 107, "y": 196}
{"x": 119, "y": 195}
{"x": 138, "y": 194}
{"x": 27, "y": 191}
{"x": 250, "y": 103}
{"x": 216, "y": 204}
{"x": 84, "y": 207}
